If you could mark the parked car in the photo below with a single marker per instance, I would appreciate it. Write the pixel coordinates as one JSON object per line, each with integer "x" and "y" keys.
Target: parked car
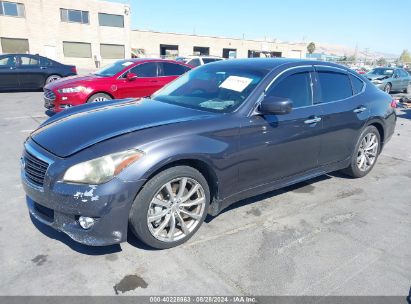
{"x": 124, "y": 78}
{"x": 220, "y": 133}
{"x": 390, "y": 79}
{"x": 30, "y": 72}
{"x": 196, "y": 61}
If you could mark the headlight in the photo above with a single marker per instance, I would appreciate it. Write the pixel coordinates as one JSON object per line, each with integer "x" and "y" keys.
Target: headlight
{"x": 377, "y": 81}
{"x": 102, "y": 169}
{"x": 72, "y": 90}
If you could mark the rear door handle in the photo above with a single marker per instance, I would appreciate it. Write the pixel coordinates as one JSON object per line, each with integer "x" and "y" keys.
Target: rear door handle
{"x": 12, "y": 68}
{"x": 360, "y": 110}
{"x": 312, "y": 120}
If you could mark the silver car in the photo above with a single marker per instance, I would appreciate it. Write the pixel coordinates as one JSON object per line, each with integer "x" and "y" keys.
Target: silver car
{"x": 390, "y": 79}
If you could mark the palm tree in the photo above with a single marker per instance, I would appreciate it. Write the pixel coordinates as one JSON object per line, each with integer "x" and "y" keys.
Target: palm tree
{"x": 311, "y": 48}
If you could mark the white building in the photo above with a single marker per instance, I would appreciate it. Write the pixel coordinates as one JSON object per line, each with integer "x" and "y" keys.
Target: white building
{"x": 75, "y": 31}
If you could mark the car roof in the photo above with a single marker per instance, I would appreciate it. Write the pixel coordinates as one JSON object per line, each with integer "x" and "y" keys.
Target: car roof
{"x": 269, "y": 64}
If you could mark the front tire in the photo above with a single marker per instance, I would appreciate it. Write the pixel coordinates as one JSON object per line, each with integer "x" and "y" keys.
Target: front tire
{"x": 170, "y": 208}
{"x": 366, "y": 153}
{"x": 99, "y": 97}
{"x": 408, "y": 89}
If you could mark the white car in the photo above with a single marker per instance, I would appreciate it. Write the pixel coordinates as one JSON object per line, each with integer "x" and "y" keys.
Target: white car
{"x": 196, "y": 61}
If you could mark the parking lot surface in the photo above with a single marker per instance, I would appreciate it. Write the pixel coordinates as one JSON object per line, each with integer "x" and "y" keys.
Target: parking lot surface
{"x": 329, "y": 236}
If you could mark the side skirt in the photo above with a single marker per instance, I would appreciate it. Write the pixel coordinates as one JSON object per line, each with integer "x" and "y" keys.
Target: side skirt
{"x": 219, "y": 205}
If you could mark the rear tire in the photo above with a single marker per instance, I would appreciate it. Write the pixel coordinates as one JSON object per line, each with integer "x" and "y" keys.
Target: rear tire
{"x": 52, "y": 78}
{"x": 387, "y": 88}
{"x": 99, "y": 97}
{"x": 366, "y": 153}
{"x": 160, "y": 218}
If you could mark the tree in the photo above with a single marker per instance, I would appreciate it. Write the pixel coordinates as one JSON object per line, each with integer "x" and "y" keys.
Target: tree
{"x": 311, "y": 48}
{"x": 382, "y": 61}
{"x": 405, "y": 57}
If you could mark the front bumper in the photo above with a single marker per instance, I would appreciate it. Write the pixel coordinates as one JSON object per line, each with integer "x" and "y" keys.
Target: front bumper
{"x": 59, "y": 205}
{"x": 60, "y": 102}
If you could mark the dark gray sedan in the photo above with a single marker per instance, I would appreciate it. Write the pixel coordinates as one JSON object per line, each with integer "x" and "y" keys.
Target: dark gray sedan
{"x": 30, "y": 72}
{"x": 390, "y": 79}
{"x": 218, "y": 134}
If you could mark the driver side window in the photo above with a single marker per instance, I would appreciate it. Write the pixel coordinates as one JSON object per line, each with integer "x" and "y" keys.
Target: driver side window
{"x": 296, "y": 87}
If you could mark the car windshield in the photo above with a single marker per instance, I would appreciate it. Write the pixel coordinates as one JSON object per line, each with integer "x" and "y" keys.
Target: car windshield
{"x": 213, "y": 88}
{"x": 382, "y": 71}
{"x": 113, "y": 69}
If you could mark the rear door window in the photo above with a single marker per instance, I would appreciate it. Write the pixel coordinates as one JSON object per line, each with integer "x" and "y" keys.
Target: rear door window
{"x": 296, "y": 87}
{"x": 145, "y": 70}
{"x": 334, "y": 86}
{"x": 29, "y": 61}
{"x": 172, "y": 69}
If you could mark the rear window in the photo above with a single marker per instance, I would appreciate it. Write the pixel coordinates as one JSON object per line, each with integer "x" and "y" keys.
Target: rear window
{"x": 334, "y": 86}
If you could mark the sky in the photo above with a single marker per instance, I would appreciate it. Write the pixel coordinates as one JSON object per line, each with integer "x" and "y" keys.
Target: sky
{"x": 377, "y": 25}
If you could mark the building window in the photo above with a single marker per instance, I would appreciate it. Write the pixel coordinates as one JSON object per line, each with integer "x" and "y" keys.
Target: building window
{"x": 112, "y": 51}
{"x": 110, "y": 20}
{"x": 12, "y": 9}
{"x": 13, "y": 45}
{"x": 201, "y": 51}
{"x": 168, "y": 51}
{"x": 69, "y": 15}
{"x": 77, "y": 49}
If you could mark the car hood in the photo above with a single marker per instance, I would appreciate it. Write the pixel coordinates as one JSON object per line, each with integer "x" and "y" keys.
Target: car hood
{"x": 93, "y": 123}
{"x": 377, "y": 77}
{"x": 73, "y": 81}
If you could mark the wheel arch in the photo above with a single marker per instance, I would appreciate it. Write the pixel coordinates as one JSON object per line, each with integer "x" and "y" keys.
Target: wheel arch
{"x": 204, "y": 168}
{"x": 99, "y": 92}
{"x": 380, "y": 127}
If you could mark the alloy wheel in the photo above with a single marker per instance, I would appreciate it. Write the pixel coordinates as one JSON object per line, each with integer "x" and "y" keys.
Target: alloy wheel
{"x": 99, "y": 99}
{"x": 176, "y": 209}
{"x": 53, "y": 78}
{"x": 368, "y": 152}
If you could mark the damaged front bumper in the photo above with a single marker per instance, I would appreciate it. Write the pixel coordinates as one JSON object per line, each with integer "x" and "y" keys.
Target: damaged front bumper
{"x": 59, "y": 205}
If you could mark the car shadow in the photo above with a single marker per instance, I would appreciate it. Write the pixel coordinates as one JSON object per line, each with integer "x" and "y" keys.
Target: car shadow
{"x": 65, "y": 239}
{"x": 405, "y": 113}
{"x": 300, "y": 186}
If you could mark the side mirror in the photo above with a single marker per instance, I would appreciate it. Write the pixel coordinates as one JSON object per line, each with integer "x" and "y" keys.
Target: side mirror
{"x": 276, "y": 106}
{"x": 131, "y": 76}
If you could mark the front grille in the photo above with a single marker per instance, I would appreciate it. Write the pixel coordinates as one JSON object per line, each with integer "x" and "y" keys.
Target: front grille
{"x": 35, "y": 169}
{"x": 49, "y": 95}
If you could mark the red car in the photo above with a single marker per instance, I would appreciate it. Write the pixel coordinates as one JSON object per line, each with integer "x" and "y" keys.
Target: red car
{"x": 122, "y": 79}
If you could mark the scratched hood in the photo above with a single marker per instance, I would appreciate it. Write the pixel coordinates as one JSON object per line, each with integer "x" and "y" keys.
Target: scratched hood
{"x": 84, "y": 126}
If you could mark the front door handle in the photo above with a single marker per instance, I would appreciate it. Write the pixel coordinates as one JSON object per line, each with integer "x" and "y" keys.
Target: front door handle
{"x": 43, "y": 68}
{"x": 12, "y": 68}
{"x": 360, "y": 110}
{"x": 312, "y": 120}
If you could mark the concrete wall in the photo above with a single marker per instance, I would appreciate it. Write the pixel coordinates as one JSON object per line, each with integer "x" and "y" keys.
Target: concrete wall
{"x": 43, "y": 27}
{"x": 151, "y": 41}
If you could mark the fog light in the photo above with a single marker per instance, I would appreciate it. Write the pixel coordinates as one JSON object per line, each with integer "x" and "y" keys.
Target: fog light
{"x": 86, "y": 222}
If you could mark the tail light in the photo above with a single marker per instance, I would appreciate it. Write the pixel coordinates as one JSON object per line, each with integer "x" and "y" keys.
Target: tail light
{"x": 394, "y": 103}
{"x": 74, "y": 69}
